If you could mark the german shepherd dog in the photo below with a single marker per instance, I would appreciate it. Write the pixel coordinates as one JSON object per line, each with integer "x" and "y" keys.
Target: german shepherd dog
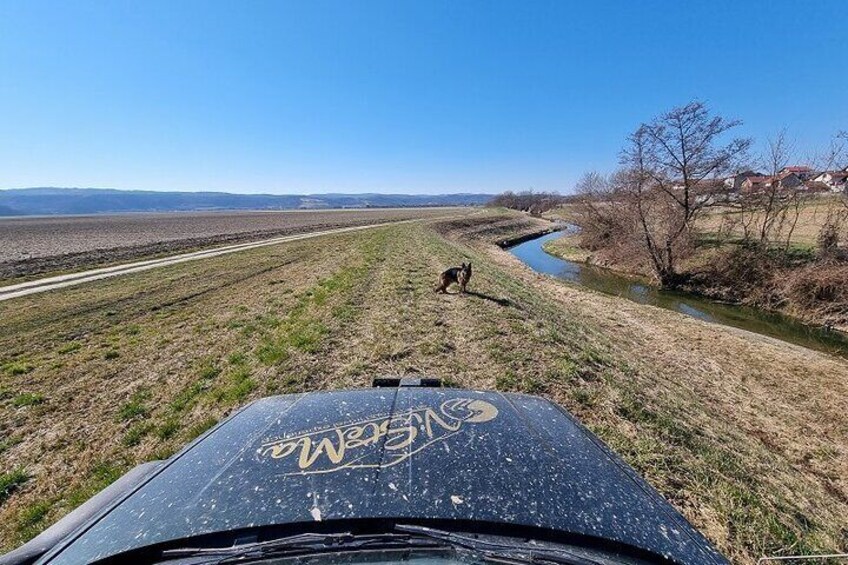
{"x": 459, "y": 275}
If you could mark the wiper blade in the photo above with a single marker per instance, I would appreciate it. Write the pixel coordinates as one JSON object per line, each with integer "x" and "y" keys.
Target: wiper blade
{"x": 520, "y": 552}
{"x": 297, "y": 545}
{"x": 409, "y": 536}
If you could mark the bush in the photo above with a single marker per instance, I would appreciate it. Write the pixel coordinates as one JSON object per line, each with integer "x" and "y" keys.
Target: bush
{"x": 818, "y": 291}
{"x": 536, "y": 203}
{"x": 743, "y": 274}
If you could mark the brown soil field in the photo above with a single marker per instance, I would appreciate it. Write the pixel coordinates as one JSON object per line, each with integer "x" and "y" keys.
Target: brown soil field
{"x": 35, "y": 245}
{"x": 745, "y": 435}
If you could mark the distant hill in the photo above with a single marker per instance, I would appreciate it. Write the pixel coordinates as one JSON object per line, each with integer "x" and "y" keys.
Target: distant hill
{"x": 50, "y": 201}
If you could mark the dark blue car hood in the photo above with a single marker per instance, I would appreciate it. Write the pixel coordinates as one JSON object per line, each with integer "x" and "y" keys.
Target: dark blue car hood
{"x": 403, "y": 453}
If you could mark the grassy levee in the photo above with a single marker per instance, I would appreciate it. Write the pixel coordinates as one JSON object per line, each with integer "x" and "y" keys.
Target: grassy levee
{"x": 745, "y": 435}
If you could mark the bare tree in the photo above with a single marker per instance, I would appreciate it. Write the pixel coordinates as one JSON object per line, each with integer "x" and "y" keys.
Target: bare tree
{"x": 834, "y": 229}
{"x": 836, "y": 155}
{"x": 597, "y": 212}
{"x": 771, "y": 214}
{"x": 673, "y": 170}
{"x": 682, "y": 153}
{"x": 605, "y": 211}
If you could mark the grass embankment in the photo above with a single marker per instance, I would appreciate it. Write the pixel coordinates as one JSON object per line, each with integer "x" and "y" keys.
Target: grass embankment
{"x": 746, "y": 436}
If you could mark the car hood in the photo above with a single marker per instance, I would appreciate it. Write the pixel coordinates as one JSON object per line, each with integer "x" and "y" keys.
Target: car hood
{"x": 399, "y": 453}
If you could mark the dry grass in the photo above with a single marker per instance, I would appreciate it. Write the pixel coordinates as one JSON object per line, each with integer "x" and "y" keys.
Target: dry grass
{"x": 568, "y": 247}
{"x": 745, "y": 435}
{"x": 812, "y": 216}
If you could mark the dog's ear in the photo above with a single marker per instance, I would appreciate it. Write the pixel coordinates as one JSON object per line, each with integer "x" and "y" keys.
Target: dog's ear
{"x": 463, "y": 265}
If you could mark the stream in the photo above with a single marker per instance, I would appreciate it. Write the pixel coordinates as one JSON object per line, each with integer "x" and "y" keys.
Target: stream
{"x": 747, "y": 318}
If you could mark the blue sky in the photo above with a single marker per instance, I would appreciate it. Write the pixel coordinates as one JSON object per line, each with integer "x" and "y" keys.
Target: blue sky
{"x": 392, "y": 96}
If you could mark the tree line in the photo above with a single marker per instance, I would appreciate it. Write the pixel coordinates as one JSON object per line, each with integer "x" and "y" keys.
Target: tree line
{"x": 535, "y": 203}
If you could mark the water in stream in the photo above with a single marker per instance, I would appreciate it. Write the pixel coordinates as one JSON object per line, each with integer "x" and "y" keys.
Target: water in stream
{"x": 609, "y": 282}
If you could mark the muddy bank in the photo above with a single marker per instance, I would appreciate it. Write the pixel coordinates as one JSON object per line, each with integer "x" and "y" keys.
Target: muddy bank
{"x": 513, "y": 241}
{"x": 503, "y": 229}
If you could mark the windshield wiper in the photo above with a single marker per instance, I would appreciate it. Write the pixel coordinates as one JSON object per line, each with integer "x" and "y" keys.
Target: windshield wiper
{"x": 405, "y": 537}
{"x": 301, "y": 544}
{"x": 519, "y": 552}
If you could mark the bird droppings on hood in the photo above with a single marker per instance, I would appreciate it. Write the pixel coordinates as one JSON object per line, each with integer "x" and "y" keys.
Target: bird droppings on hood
{"x": 316, "y": 514}
{"x": 519, "y": 460}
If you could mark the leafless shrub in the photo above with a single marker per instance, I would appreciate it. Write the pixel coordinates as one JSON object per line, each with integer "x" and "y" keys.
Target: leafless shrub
{"x": 740, "y": 274}
{"x": 817, "y": 292}
{"x": 833, "y": 233}
{"x": 769, "y": 216}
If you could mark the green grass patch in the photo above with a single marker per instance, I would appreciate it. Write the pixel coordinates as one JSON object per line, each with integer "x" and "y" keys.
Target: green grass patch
{"x": 9, "y": 442}
{"x": 510, "y": 381}
{"x": 31, "y": 520}
{"x": 271, "y": 351}
{"x": 10, "y": 482}
{"x": 136, "y": 433}
{"x": 237, "y": 358}
{"x": 28, "y": 399}
{"x": 209, "y": 371}
{"x": 238, "y": 386}
{"x": 268, "y": 321}
{"x": 111, "y": 354}
{"x": 101, "y": 476}
{"x": 307, "y": 336}
{"x": 136, "y": 408}
{"x": 186, "y": 398}
{"x": 200, "y": 427}
{"x": 15, "y": 368}
{"x": 70, "y": 347}
{"x": 168, "y": 429}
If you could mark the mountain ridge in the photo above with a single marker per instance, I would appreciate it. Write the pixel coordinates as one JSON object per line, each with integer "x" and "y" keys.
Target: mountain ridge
{"x": 61, "y": 201}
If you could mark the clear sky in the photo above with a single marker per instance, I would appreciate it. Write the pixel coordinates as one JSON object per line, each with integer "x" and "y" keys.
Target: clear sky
{"x": 394, "y": 96}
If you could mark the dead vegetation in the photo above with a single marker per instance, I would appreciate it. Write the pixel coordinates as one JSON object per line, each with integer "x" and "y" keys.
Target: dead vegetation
{"x": 745, "y": 435}
{"x": 668, "y": 214}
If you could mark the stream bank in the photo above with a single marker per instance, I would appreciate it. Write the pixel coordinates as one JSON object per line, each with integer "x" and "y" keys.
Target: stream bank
{"x": 530, "y": 251}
